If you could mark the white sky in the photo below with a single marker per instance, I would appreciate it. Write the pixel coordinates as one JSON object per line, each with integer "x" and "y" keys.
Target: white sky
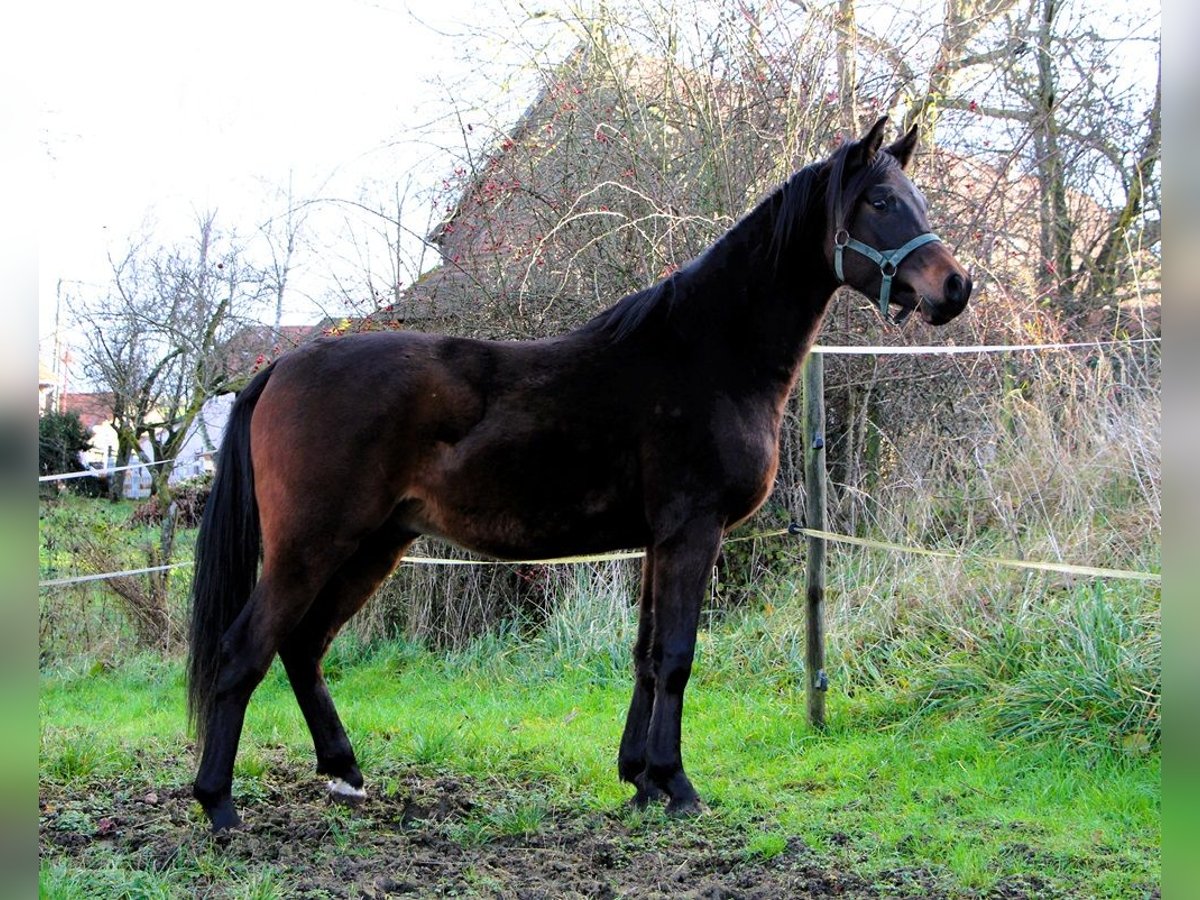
{"x": 153, "y": 110}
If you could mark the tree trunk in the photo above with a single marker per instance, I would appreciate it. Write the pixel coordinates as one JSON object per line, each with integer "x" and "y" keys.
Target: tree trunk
{"x": 847, "y": 47}
{"x": 158, "y": 628}
{"x": 1106, "y": 269}
{"x": 116, "y": 482}
{"x": 1056, "y": 229}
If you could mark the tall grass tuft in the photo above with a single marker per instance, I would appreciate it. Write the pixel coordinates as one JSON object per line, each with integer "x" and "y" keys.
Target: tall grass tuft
{"x": 1097, "y": 683}
{"x": 1062, "y": 467}
{"x": 593, "y": 621}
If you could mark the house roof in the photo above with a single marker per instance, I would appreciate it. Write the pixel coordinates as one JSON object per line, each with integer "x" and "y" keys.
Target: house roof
{"x": 250, "y": 346}
{"x": 92, "y": 408}
{"x": 516, "y": 218}
{"x": 579, "y": 97}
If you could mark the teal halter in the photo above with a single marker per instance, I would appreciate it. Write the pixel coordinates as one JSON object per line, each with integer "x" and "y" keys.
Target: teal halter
{"x": 887, "y": 260}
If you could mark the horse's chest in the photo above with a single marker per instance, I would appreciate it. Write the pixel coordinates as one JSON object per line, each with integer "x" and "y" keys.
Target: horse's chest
{"x": 728, "y": 458}
{"x": 746, "y": 447}
{"x": 748, "y": 472}
{"x": 746, "y": 437}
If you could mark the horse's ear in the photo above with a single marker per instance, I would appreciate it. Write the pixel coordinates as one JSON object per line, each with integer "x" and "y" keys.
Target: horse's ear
{"x": 862, "y": 151}
{"x": 903, "y": 148}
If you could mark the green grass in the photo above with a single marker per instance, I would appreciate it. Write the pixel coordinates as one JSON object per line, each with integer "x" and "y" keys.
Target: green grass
{"x": 982, "y": 725}
{"x": 88, "y": 618}
{"x": 68, "y": 518}
{"x": 890, "y": 783}
{"x": 110, "y": 878}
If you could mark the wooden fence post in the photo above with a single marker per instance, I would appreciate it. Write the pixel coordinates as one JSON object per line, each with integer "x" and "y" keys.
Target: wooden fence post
{"x": 813, "y": 424}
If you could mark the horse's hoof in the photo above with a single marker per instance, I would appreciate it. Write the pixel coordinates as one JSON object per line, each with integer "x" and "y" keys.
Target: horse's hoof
{"x": 685, "y": 807}
{"x": 224, "y": 817}
{"x": 341, "y": 791}
{"x": 643, "y": 798}
{"x": 647, "y": 792}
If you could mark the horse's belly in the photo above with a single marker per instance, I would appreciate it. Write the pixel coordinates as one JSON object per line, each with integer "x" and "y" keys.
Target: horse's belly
{"x": 529, "y": 506}
{"x": 512, "y": 532}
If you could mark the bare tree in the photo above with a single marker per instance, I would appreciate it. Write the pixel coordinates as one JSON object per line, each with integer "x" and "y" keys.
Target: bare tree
{"x": 123, "y": 356}
{"x": 158, "y": 344}
{"x": 968, "y": 41}
{"x": 1057, "y": 91}
{"x": 175, "y": 311}
{"x": 283, "y": 234}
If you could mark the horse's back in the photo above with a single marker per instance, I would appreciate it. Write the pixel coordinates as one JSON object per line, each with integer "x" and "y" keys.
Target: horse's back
{"x": 510, "y": 448}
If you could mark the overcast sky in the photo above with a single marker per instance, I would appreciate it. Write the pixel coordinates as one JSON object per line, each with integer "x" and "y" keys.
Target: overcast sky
{"x": 152, "y": 112}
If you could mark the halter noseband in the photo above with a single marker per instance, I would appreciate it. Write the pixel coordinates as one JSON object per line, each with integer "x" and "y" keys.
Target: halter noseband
{"x": 887, "y": 260}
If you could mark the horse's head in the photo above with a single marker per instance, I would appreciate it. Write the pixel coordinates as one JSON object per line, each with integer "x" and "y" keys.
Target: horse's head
{"x": 880, "y": 242}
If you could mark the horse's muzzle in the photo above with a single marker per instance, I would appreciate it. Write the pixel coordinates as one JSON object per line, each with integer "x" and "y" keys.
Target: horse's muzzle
{"x": 956, "y": 290}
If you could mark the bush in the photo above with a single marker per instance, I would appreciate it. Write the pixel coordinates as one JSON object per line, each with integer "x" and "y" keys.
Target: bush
{"x": 61, "y": 438}
{"x": 189, "y": 498}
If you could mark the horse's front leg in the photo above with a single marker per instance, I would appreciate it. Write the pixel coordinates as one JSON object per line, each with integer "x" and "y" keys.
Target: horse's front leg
{"x": 631, "y": 762}
{"x": 682, "y": 567}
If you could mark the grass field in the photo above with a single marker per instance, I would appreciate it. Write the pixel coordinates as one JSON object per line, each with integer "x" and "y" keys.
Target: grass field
{"x": 888, "y": 789}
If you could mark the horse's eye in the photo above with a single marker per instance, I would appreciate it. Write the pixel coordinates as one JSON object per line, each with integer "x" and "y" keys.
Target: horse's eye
{"x": 879, "y": 204}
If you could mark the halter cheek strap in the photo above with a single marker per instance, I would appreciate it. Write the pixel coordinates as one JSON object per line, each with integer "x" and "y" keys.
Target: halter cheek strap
{"x": 887, "y": 260}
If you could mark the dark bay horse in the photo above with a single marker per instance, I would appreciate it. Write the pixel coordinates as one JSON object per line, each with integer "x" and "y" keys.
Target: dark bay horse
{"x": 654, "y": 425}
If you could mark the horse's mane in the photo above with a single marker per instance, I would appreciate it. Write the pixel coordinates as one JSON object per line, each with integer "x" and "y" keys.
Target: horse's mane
{"x": 629, "y": 313}
{"x": 772, "y": 226}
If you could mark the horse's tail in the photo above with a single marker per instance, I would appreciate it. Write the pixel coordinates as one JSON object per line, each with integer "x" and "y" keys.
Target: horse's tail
{"x": 227, "y": 552}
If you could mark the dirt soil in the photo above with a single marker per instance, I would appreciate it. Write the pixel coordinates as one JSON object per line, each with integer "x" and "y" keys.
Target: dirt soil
{"x": 439, "y": 836}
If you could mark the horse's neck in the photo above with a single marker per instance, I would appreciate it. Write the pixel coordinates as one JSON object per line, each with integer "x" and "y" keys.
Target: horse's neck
{"x": 760, "y": 316}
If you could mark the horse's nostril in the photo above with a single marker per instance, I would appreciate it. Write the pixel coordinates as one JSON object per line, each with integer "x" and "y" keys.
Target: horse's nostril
{"x": 956, "y": 289}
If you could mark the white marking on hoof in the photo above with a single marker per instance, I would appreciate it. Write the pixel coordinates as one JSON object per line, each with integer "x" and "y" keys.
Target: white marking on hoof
{"x": 343, "y": 790}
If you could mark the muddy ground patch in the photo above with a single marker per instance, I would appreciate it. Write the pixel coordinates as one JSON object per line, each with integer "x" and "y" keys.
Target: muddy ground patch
{"x": 438, "y": 835}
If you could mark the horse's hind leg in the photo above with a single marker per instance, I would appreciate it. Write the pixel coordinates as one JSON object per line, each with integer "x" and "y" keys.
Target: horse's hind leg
{"x": 280, "y": 598}
{"x": 345, "y": 593}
